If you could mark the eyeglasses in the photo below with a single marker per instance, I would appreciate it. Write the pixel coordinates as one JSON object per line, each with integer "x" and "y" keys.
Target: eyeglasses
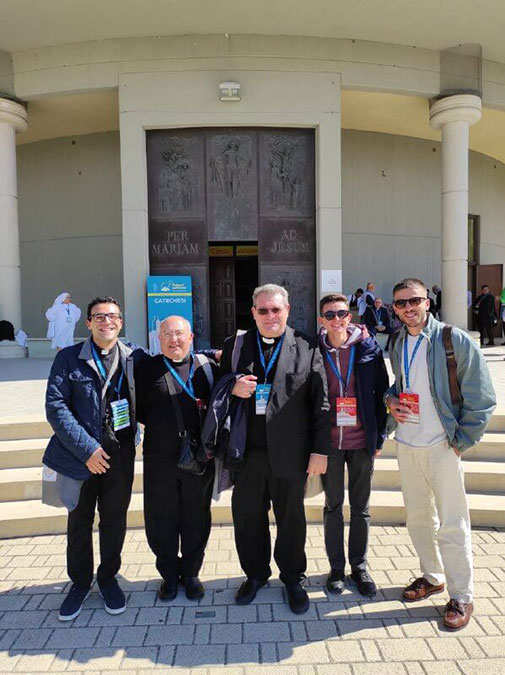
{"x": 101, "y": 318}
{"x": 178, "y": 334}
{"x": 263, "y": 311}
{"x": 413, "y": 302}
{"x": 340, "y": 313}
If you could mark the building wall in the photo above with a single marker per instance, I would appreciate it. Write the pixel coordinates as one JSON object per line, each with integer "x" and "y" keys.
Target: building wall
{"x": 70, "y": 223}
{"x": 391, "y": 209}
{"x": 70, "y": 215}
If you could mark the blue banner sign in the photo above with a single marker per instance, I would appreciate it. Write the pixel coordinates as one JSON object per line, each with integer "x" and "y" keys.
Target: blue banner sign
{"x": 167, "y": 296}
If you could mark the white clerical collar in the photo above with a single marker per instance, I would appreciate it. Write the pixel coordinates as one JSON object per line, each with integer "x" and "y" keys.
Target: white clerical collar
{"x": 268, "y": 341}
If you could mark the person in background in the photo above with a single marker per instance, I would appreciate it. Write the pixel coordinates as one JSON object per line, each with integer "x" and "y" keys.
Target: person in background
{"x": 437, "y": 292}
{"x": 62, "y": 317}
{"x": 357, "y": 380}
{"x": 502, "y": 313}
{"x": 376, "y": 318}
{"x": 366, "y": 300}
{"x": 353, "y": 299}
{"x": 484, "y": 308}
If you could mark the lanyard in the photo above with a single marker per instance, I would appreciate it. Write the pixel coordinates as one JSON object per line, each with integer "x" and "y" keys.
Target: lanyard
{"x": 272, "y": 360}
{"x": 68, "y": 310}
{"x": 187, "y": 386}
{"x": 406, "y": 363}
{"x": 377, "y": 315}
{"x": 107, "y": 378}
{"x": 349, "y": 369}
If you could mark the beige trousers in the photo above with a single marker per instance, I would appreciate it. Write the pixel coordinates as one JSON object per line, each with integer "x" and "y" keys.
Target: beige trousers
{"x": 438, "y": 521}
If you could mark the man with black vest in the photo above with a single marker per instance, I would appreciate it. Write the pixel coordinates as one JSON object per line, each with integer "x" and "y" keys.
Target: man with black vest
{"x": 288, "y": 438}
{"x": 90, "y": 404}
{"x": 172, "y": 392}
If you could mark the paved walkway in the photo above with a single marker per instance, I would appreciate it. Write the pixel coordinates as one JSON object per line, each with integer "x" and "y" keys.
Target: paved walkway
{"x": 343, "y": 635}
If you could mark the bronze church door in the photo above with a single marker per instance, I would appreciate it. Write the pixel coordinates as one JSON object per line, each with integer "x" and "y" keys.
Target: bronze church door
{"x": 230, "y": 185}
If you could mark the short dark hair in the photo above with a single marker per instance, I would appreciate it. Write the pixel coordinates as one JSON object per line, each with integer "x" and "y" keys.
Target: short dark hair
{"x": 332, "y": 297}
{"x": 101, "y": 300}
{"x": 359, "y": 290}
{"x": 409, "y": 282}
{"x": 484, "y": 286}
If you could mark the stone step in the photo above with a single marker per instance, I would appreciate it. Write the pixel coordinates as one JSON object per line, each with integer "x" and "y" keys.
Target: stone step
{"x": 480, "y": 477}
{"x": 22, "y": 427}
{"x": 27, "y": 453}
{"x": 29, "y": 518}
{"x": 490, "y": 448}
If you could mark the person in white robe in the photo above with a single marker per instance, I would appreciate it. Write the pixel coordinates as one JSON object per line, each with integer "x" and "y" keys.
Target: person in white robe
{"x": 62, "y": 317}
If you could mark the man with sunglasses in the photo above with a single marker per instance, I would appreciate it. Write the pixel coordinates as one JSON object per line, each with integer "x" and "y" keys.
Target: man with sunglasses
{"x": 431, "y": 434}
{"x": 90, "y": 404}
{"x": 281, "y": 375}
{"x": 357, "y": 380}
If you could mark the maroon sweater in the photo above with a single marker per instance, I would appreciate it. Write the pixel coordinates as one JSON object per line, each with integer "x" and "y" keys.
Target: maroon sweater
{"x": 342, "y": 438}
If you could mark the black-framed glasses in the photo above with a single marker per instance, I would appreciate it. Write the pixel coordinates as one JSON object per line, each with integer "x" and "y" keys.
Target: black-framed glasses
{"x": 263, "y": 311}
{"x": 331, "y": 314}
{"x": 101, "y": 318}
{"x": 413, "y": 302}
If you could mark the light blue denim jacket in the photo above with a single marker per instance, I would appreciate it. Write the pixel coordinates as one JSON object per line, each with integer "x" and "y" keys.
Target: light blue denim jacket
{"x": 463, "y": 425}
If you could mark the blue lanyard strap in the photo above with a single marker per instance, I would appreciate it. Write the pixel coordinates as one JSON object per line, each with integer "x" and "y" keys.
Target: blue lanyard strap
{"x": 272, "y": 360}
{"x": 186, "y": 386}
{"x": 349, "y": 369}
{"x": 406, "y": 363}
{"x": 103, "y": 373}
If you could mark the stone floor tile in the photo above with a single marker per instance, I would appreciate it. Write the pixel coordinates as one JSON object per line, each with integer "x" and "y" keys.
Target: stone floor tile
{"x": 442, "y": 668}
{"x": 72, "y": 638}
{"x": 141, "y": 599}
{"x": 336, "y": 669}
{"x": 34, "y": 661}
{"x": 202, "y": 634}
{"x": 492, "y": 646}
{"x": 371, "y": 651}
{"x": 267, "y": 632}
{"x": 378, "y": 669}
{"x": 361, "y": 629}
{"x": 212, "y": 614}
{"x": 199, "y": 655}
{"x": 129, "y": 636}
{"x": 33, "y": 639}
{"x": 149, "y": 616}
{"x": 345, "y": 650}
{"x": 226, "y": 634}
{"x": 102, "y": 659}
{"x": 242, "y": 654}
{"x": 448, "y": 649}
{"x": 418, "y": 628}
{"x": 482, "y": 667}
{"x": 102, "y": 618}
{"x": 394, "y": 650}
{"x": 294, "y": 653}
{"x": 169, "y": 635}
{"x": 298, "y": 632}
{"x": 283, "y": 613}
{"x": 321, "y": 630}
{"x": 139, "y": 658}
{"x": 8, "y": 661}
{"x": 243, "y": 614}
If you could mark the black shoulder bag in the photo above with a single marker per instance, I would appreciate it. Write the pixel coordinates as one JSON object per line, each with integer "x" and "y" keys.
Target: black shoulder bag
{"x": 188, "y": 445}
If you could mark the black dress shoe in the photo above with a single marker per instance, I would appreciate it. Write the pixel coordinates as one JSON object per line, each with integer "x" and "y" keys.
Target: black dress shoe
{"x": 335, "y": 582}
{"x": 247, "y": 591}
{"x": 364, "y": 582}
{"x": 297, "y": 598}
{"x": 194, "y": 588}
{"x": 168, "y": 589}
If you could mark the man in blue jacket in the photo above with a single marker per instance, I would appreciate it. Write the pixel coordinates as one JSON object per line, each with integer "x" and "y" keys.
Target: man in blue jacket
{"x": 433, "y": 430}
{"x": 357, "y": 379}
{"x": 90, "y": 404}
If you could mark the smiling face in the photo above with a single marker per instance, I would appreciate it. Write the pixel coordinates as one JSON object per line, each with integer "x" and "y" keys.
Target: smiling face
{"x": 270, "y": 314}
{"x": 414, "y": 317}
{"x": 335, "y": 326}
{"x": 105, "y": 324}
{"x": 175, "y": 338}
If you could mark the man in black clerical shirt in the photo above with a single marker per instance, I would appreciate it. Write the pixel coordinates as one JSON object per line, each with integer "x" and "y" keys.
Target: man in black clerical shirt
{"x": 288, "y": 438}
{"x": 90, "y": 404}
{"x": 176, "y": 503}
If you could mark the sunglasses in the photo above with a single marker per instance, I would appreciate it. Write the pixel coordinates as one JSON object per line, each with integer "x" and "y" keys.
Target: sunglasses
{"x": 263, "y": 311}
{"x": 413, "y": 302}
{"x": 340, "y": 313}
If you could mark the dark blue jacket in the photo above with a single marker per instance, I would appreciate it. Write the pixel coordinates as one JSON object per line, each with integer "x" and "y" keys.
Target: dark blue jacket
{"x": 73, "y": 408}
{"x": 372, "y": 381}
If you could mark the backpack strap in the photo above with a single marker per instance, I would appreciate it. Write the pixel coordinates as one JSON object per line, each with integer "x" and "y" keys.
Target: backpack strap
{"x": 204, "y": 363}
{"x": 237, "y": 347}
{"x": 451, "y": 365}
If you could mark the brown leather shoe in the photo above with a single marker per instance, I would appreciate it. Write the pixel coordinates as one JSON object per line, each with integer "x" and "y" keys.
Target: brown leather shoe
{"x": 457, "y": 614}
{"x": 420, "y": 589}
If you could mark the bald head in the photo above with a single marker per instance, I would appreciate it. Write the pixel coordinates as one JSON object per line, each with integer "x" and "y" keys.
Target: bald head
{"x": 175, "y": 337}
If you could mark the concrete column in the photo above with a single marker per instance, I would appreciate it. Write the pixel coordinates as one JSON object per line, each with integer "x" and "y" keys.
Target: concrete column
{"x": 454, "y": 115}
{"x": 13, "y": 118}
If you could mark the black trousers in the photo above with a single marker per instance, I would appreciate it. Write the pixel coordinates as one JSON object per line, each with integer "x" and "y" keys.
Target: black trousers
{"x": 360, "y": 470}
{"x": 177, "y": 515}
{"x": 485, "y": 326}
{"x": 255, "y": 488}
{"x": 111, "y": 493}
